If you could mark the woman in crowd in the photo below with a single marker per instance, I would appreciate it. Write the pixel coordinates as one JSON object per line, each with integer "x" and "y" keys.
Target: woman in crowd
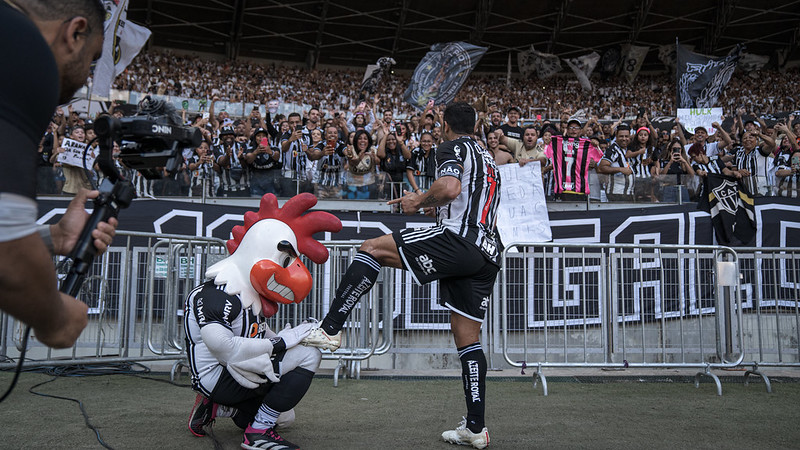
{"x": 393, "y": 154}
{"x": 361, "y": 162}
{"x": 75, "y": 177}
{"x": 421, "y": 167}
{"x": 673, "y": 168}
{"x": 202, "y": 166}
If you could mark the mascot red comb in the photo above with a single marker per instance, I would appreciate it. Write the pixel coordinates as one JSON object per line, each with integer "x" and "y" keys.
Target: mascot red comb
{"x": 240, "y": 367}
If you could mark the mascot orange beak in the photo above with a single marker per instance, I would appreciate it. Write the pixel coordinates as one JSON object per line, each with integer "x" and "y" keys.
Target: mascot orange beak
{"x": 276, "y": 284}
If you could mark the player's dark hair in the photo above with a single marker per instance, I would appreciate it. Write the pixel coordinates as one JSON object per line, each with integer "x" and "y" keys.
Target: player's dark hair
{"x": 461, "y": 117}
{"x": 92, "y": 10}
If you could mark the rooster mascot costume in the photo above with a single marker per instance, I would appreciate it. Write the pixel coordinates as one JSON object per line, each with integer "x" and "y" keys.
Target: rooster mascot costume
{"x": 240, "y": 367}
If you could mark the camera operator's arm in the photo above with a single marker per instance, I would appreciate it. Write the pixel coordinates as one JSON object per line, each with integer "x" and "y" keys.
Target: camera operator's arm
{"x": 28, "y": 289}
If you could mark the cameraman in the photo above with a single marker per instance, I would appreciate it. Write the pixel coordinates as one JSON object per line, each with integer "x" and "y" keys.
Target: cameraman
{"x": 43, "y": 76}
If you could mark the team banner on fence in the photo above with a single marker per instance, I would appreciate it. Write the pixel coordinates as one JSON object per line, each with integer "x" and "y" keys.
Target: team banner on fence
{"x": 583, "y": 66}
{"x": 692, "y": 118}
{"x": 563, "y": 286}
{"x": 123, "y": 41}
{"x": 441, "y": 73}
{"x": 701, "y": 79}
{"x": 76, "y": 154}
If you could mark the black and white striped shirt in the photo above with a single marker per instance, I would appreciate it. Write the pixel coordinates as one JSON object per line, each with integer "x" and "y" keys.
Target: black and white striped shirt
{"x": 788, "y": 186}
{"x": 208, "y": 304}
{"x": 640, "y": 170}
{"x": 760, "y": 168}
{"x": 295, "y": 159}
{"x": 472, "y": 215}
{"x": 618, "y": 183}
{"x": 331, "y": 167}
{"x": 236, "y": 177}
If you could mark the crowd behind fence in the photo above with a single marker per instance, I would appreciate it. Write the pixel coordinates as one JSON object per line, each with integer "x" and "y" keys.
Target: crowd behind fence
{"x": 555, "y": 305}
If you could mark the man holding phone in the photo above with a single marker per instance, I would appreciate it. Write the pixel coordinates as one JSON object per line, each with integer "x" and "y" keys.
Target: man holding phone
{"x": 294, "y": 144}
{"x": 264, "y": 164}
{"x": 233, "y": 172}
{"x": 330, "y": 165}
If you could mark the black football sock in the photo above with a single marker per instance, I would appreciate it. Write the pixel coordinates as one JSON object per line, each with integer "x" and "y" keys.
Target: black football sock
{"x": 358, "y": 279}
{"x": 287, "y": 394}
{"x": 473, "y": 372}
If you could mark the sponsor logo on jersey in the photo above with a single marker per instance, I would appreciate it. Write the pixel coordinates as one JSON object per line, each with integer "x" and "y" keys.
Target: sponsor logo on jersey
{"x": 227, "y": 310}
{"x": 426, "y": 264}
{"x": 201, "y": 318}
{"x": 485, "y": 303}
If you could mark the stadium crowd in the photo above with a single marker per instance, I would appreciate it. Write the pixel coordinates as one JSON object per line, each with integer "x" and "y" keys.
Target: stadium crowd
{"x": 344, "y": 148}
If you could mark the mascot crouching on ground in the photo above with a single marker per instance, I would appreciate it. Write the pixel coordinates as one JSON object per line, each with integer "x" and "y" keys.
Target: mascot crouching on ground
{"x": 240, "y": 367}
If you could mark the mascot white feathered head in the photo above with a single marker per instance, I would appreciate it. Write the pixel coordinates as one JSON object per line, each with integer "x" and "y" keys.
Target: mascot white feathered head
{"x": 264, "y": 268}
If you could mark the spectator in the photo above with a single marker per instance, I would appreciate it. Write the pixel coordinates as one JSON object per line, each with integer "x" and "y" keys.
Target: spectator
{"x": 674, "y": 168}
{"x": 511, "y": 128}
{"x": 294, "y": 145}
{"x": 76, "y": 178}
{"x": 493, "y": 146}
{"x": 263, "y": 162}
{"x": 230, "y": 164}
{"x": 202, "y": 167}
{"x": 421, "y": 167}
{"x": 620, "y": 182}
{"x": 788, "y": 174}
{"x": 573, "y": 151}
{"x": 393, "y": 155}
{"x": 754, "y": 163}
{"x": 330, "y": 168}
{"x": 361, "y": 162}
{"x": 642, "y": 155}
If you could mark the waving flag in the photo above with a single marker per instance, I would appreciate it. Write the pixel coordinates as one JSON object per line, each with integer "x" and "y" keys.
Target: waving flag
{"x": 701, "y": 79}
{"x": 583, "y": 66}
{"x": 442, "y": 72}
{"x": 123, "y": 41}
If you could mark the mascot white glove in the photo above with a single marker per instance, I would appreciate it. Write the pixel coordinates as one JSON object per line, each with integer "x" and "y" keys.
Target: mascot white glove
{"x": 247, "y": 360}
{"x": 292, "y": 336}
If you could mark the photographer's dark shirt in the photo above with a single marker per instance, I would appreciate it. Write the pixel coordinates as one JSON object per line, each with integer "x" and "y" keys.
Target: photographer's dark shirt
{"x": 28, "y": 97}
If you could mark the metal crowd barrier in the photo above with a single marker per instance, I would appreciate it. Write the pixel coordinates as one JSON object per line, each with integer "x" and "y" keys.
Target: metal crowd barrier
{"x": 770, "y": 288}
{"x": 555, "y": 305}
{"x": 619, "y": 306}
{"x": 136, "y": 293}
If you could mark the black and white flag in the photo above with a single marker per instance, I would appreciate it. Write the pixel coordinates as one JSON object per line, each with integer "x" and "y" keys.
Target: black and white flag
{"x": 752, "y": 63}
{"x": 533, "y": 61}
{"x": 701, "y": 79}
{"x": 632, "y": 59}
{"x": 442, "y": 72}
{"x": 583, "y": 66}
{"x": 731, "y": 207}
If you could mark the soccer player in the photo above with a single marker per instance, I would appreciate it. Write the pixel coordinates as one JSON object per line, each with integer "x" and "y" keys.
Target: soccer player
{"x": 461, "y": 251}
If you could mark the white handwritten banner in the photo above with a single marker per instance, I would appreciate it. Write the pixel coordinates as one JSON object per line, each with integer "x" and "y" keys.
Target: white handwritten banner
{"x": 692, "y": 118}
{"x": 73, "y": 154}
{"x": 523, "y": 212}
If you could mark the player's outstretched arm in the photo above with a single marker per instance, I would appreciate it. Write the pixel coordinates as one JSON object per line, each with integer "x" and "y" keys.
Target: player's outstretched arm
{"x": 442, "y": 191}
